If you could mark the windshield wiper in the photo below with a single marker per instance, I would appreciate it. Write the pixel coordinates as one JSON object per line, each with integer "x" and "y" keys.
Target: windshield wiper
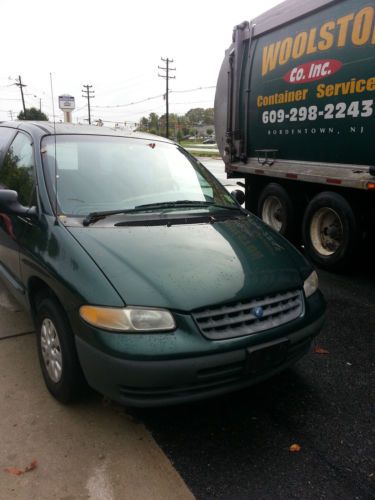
{"x": 95, "y": 216}
{"x": 187, "y": 203}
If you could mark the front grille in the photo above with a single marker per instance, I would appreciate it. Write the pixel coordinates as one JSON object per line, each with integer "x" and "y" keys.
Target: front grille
{"x": 238, "y": 319}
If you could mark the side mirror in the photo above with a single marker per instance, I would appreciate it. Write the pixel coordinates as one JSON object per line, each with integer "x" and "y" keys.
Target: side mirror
{"x": 10, "y": 205}
{"x": 239, "y": 196}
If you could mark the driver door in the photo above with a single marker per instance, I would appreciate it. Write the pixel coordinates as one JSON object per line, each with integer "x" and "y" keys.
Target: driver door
{"x": 17, "y": 172}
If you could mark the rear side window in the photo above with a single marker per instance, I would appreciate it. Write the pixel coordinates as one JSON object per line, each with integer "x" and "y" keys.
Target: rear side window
{"x": 6, "y": 135}
{"x": 17, "y": 170}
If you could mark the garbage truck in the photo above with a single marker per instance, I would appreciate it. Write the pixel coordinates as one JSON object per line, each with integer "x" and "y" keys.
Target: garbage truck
{"x": 294, "y": 117}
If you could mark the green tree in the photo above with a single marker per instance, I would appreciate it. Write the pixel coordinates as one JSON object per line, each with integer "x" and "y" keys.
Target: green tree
{"x": 209, "y": 131}
{"x": 208, "y": 116}
{"x": 195, "y": 116}
{"x": 153, "y": 121}
{"x": 143, "y": 124}
{"x": 32, "y": 114}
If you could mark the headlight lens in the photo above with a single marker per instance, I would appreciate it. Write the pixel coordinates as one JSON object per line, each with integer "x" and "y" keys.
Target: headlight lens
{"x": 311, "y": 284}
{"x": 128, "y": 319}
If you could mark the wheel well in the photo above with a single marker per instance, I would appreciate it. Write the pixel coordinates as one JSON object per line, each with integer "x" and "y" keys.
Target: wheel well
{"x": 36, "y": 287}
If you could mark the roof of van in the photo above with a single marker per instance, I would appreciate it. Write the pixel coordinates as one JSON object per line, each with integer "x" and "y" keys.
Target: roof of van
{"x": 45, "y": 127}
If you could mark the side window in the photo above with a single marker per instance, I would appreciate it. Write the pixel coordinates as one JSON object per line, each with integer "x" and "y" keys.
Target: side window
{"x": 6, "y": 135}
{"x": 17, "y": 170}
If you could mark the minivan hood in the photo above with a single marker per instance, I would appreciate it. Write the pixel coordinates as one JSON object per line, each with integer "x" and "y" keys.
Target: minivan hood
{"x": 189, "y": 266}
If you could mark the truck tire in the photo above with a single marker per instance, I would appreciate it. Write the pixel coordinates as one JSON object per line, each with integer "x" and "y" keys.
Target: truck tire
{"x": 329, "y": 231}
{"x": 275, "y": 208}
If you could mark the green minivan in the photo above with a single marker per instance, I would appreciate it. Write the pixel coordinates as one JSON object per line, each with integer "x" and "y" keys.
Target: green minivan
{"x": 145, "y": 278}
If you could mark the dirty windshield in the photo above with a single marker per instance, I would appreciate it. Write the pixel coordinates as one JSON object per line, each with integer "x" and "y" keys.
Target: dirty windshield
{"x": 103, "y": 173}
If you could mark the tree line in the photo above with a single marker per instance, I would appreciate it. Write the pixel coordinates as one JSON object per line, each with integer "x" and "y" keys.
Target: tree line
{"x": 180, "y": 126}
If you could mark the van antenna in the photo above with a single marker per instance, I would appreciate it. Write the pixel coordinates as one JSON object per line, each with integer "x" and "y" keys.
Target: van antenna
{"x": 54, "y": 131}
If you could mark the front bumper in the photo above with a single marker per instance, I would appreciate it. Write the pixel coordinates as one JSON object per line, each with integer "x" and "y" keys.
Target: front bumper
{"x": 146, "y": 383}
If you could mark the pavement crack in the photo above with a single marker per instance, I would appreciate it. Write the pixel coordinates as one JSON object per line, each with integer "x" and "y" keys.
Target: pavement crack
{"x": 14, "y": 335}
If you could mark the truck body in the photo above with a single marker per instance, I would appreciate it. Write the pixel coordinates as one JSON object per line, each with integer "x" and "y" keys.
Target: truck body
{"x": 294, "y": 116}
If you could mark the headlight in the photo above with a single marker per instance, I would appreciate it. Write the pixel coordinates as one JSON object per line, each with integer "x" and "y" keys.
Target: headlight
{"x": 128, "y": 319}
{"x": 311, "y": 284}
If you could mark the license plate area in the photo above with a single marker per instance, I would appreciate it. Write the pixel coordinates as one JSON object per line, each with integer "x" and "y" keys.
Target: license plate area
{"x": 266, "y": 356}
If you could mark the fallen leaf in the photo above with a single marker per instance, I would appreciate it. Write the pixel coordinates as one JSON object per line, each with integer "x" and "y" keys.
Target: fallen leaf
{"x": 320, "y": 350}
{"x": 32, "y": 466}
{"x": 295, "y": 448}
{"x": 15, "y": 471}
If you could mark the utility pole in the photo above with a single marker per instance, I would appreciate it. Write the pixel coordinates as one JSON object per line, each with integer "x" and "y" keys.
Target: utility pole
{"x": 11, "y": 114}
{"x": 167, "y": 69}
{"x": 89, "y": 95}
{"x": 21, "y": 85}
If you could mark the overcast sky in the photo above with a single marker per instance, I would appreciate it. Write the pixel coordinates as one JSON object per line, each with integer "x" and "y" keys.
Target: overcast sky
{"x": 116, "y": 47}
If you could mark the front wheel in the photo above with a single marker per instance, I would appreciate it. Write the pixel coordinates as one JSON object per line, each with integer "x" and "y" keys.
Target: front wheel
{"x": 57, "y": 353}
{"x": 329, "y": 231}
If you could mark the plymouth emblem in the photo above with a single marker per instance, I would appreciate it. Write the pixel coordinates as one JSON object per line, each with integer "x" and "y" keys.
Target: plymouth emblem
{"x": 258, "y": 312}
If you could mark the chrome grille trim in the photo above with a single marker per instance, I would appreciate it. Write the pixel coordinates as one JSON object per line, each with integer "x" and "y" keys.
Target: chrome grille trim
{"x": 236, "y": 320}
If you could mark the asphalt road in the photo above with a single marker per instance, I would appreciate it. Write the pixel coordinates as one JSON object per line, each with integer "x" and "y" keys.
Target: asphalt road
{"x": 237, "y": 446}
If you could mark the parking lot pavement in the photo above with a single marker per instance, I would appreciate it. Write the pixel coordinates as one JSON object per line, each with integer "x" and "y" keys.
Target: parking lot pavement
{"x": 90, "y": 450}
{"x": 13, "y": 320}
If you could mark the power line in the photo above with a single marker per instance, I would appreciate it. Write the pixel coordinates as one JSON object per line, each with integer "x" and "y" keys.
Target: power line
{"x": 89, "y": 95}
{"x": 167, "y": 77}
{"x": 130, "y": 103}
{"x": 124, "y": 85}
{"x": 154, "y": 109}
{"x": 193, "y": 102}
{"x": 152, "y": 97}
{"x": 192, "y": 90}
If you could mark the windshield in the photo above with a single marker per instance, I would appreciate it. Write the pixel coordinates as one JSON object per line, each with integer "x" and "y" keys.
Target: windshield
{"x": 100, "y": 173}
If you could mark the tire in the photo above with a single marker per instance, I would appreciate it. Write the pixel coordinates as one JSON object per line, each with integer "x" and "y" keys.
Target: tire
{"x": 57, "y": 353}
{"x": 275, "y": 208}
{"x": 330, "y": 231}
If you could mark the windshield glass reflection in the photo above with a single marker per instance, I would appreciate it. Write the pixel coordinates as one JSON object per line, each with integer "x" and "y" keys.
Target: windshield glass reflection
{"x": 97, "y": 173}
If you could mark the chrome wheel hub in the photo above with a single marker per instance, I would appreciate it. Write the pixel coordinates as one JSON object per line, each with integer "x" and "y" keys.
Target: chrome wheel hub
{"x": 51, "y": 350}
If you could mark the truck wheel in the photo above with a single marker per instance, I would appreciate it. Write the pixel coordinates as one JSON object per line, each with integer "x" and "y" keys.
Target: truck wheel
{"x": 275, "y": 208}
{"x": 57, "y": 353}
{"x": 329, "y": 230}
